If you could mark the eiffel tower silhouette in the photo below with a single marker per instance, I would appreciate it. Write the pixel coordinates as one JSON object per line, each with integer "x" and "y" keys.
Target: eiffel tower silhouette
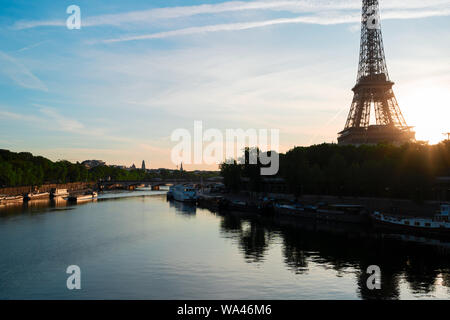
{"x": 373, "y": 90}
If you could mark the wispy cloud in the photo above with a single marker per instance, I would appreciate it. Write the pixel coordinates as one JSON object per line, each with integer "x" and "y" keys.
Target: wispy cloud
{"x": 271, "y": 82}
{"x": 13, "y": 69}
{"x": 320, "y": 19}
{"x": 323, "y": 20}
{"x": 416, "y": 14}
{"x": 297, "y": 6}
{"x": 8, "y": 115}
{"x": 51, "y": 119}
{"x": 24, "y": 24}
{"x": 34, "y": 45}
{"x": 62, "y": 122}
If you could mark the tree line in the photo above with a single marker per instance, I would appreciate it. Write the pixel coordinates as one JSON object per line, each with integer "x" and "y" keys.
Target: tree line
{"x": 384, "y": 170}
{"x": 24, "y": 169}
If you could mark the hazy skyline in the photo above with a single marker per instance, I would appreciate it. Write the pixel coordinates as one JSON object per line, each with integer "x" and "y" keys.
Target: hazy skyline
{"x": 116, "y": 89}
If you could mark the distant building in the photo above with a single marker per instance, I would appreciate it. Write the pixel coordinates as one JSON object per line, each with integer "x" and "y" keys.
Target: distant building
{"x": 133, "y": 167}
{"x": 181, "y": 167}
{"x": 93, "y": 163}
{"x": 143, "y": 165}
{"x": 119, "y": 167}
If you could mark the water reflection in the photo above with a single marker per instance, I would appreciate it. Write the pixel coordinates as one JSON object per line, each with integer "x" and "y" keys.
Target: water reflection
{"x": 38, "y": 206}
{"x": 343, "y": 248}
{"x": 254, "y": 242}
{"x": 186, "y": 209}
{"x": 133, "y": 227}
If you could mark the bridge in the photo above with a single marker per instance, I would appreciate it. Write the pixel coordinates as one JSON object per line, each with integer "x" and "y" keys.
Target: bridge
{"x": 155, "y": 184}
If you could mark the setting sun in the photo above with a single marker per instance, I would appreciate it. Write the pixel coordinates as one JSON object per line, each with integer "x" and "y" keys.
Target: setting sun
{"x": 425, "y": 106}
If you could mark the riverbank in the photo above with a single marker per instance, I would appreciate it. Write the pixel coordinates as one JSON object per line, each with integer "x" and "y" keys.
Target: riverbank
{"x": 401, "y": 207}
{"x": 401, "y": 217}
{"x": 71, "y": 187}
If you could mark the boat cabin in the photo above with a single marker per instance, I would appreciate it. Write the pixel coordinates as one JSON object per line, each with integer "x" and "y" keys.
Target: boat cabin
{"x": 444, "y": 213}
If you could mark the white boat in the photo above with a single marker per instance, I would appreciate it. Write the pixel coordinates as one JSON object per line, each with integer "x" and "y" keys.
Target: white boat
{"x": 83, "y": 197}
{"x": 54, "y": 193}
{"x": 11, "y": 199}
{"x": 36, "y": 195}
{"x": 440, "y": 223}
{"x": 183, "y": 193}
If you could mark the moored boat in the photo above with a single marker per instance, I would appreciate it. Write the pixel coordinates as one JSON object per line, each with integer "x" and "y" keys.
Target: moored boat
{"x": 11, "y": 199}
{"x": 336, "y": 212}
{"x": 55, "y": 192}
{"x": 351, "y": 213}
{"x": 439, "y": 224}
{"x": 242, "y": 206}
{"x": 293, "y": 209}
{"x": 87, "y": 196}
{"x": 184, "y": 193}
{"x": 36, "y": 195}
{"x": 210, "y": 202}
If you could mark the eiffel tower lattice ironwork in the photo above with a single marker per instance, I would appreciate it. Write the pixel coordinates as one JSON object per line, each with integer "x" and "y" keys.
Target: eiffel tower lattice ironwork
{"x": 373, "y": 90}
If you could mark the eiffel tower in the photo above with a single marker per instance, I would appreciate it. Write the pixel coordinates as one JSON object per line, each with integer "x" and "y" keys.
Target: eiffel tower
{"x": 373, "y": 90}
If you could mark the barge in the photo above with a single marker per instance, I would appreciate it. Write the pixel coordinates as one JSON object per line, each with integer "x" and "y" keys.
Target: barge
{"x": 211, "y": 202}
{"x": 183, "y": 193}
{"x": 336, "y": 212}
{"x": 55, "y": 193}
{"x": 35, "y": 196}
{"x": 10, "y": 199}
{"x": 438, "y": 225}
{"x": 87, "y": 196}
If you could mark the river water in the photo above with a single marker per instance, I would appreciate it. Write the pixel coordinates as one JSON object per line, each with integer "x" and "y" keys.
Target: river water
{"x": 137, "y": 245}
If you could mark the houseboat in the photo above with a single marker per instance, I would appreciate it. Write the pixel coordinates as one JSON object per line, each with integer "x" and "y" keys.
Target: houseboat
{"x": 4, "y": 199}
{"x": 351, "y": 213}
{"x": 54, "y": 193}
{"x": 184, "y": 193}
{"x": 242, "y": 206}
{"x": 210, "y": 201}
{"x": 439, "y": 224}
{"x": 87, "y": 196}
{"x": 335, "y": 212}
{"x": 35, "y": 196}
{"x": 295, "y": 209}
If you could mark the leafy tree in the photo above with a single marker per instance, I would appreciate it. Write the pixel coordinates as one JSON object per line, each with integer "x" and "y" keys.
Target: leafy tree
{"x": 384, "y": 170}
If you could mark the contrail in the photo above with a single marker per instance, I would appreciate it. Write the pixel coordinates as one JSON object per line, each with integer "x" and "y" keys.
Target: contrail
{"x": 315, "y": 19}
{"x": 294, "y": 6}
{"x": 240, "y": 26}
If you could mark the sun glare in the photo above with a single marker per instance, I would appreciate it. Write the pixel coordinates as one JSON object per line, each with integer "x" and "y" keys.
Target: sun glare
{"x": 426, "y": 108}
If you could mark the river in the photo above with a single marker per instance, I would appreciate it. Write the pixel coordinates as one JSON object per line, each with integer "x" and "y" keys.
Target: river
{"x": 138, "y": 245}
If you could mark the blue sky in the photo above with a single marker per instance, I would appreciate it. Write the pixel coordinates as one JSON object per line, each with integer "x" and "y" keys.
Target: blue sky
{"x": 137, "y": 70}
